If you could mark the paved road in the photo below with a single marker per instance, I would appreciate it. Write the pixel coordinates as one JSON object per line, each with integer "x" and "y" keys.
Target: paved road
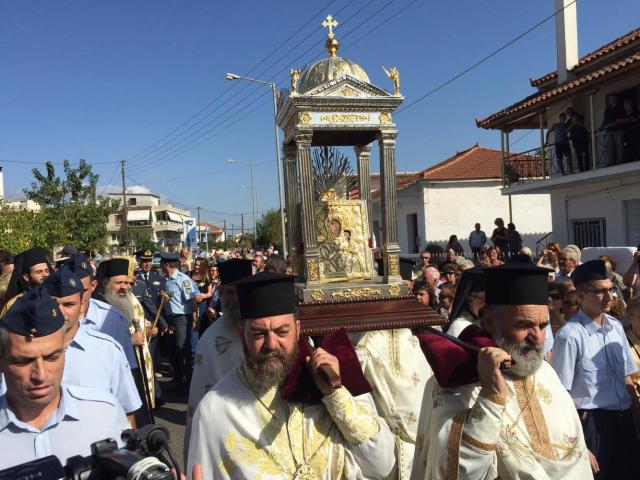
{"x": 173, "y": 415}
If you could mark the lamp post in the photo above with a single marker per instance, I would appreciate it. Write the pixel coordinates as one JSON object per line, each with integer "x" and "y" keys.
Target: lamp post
{"x": 253, "y": 193}
{"x": 233, "y": 76}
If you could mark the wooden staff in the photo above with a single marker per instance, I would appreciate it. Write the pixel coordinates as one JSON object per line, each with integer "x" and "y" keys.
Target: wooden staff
{"x": 155, "y": 321}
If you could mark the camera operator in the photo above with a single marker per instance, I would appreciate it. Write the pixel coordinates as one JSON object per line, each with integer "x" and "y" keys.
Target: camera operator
{"x": 38, "y": 415}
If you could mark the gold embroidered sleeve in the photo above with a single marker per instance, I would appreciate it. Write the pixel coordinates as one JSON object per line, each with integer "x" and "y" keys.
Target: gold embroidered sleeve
{"x": 357, "y": 422}
{"x": 483, "y": 422}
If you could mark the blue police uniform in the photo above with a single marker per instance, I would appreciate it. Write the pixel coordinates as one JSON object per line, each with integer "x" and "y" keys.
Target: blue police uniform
{"x": 592, "y": 361}
{"x": 104, "y": 318}
{"x": 181, "y": 292}
{"x": 95, "y": 360}
{"x": 83, "y": 416}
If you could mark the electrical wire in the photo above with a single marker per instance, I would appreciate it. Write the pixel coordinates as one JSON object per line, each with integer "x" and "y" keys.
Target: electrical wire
{"x": 175, "y": 153}
{"x": 484, "y": 59}
{"x": 312, "y": 18}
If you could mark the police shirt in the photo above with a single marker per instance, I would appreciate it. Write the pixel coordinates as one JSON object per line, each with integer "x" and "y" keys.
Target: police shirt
{"x": 83, "y": 416}
{"x": 95, "y": 360}
{"x": 181, "y": 290}
{"x": 592, "y": 361}
{"x": 104, "y": 318}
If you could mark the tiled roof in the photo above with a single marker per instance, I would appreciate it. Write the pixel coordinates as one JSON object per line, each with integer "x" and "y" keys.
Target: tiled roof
{"x": 475, "y": 163}
{"x": 596, "y": 54}
{"x": 541, "y": 99}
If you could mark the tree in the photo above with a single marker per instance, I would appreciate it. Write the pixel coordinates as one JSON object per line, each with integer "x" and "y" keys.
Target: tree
{"x": 268, "y": 229}
{"x": 143, "y": 241}
{"x": 70, "y": 211}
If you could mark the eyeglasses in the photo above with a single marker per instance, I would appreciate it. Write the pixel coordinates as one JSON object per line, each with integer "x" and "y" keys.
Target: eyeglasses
{"x": 555, "y": 296}
{"x": 600, "y": 291}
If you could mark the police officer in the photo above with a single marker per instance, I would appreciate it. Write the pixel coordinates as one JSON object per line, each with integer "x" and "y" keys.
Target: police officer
{"x": 38, "y": 415}
{"x": 182, "y": 312}
{"x": 93, "y": 359}
{"x": 593, "y": 361}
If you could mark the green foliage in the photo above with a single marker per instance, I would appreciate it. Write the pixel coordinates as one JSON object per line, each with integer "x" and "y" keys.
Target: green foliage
{"x": 70, "y": 212}
{"x": 268, "y": 229}
{"x": 143, "y": 241}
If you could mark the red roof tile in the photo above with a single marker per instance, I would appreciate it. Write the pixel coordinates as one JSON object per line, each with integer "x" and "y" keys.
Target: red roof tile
{"x": 475, "y": 163}
{"x": 610, "y": 47}
{"x": 540, "y": 99}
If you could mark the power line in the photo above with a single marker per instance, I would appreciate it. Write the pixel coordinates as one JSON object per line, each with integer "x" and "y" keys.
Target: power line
{"x": 145, "y": 152}
{"x": 481, "y": 61}
{"x": 152, "y": 182}
{"x": 256, "y": 89}
{"x": 57, "y": 164}
{"x": 177, "y": 152}
{"x": 109, "y": 181}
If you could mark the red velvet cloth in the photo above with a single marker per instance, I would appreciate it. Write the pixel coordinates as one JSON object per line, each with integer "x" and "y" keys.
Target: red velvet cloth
{"x": 452, "y": 364}
{"x": 299, "y": 386}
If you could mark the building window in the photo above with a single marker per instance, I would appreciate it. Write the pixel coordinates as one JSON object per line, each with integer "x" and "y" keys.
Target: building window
{"x": 132, "y": 201}
{"x": 118, "y": 220}
{"x": 632, "y": 214}
{"x": 589, "y": 232}
{"x": 412, "y": 233}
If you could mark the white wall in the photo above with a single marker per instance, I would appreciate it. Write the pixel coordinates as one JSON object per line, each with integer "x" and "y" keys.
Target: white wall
{"x": 447, "y": 208}
{"x": 455, "y": 207}
{"x": 597, "y": 199}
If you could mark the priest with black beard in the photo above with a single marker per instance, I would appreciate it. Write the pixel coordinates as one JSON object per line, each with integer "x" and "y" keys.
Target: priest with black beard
{"x": 510, "y": 417}
{"x": 114, "y": 287}
{"x": 246, "y": 427}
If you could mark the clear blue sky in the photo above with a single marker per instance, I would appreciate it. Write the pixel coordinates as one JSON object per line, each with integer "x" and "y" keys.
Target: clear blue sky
{"x": 105, "y": 80}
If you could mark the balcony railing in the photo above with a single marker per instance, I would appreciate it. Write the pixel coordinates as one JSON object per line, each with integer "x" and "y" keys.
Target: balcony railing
{"x": 613, "y": 147}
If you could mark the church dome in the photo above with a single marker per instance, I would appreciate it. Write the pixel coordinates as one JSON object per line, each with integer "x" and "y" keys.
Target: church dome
{"x": 327, "y": 69}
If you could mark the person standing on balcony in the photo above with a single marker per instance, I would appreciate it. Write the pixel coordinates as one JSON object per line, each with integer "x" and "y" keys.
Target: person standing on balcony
{"x": 561, "y": 142}
{"x": 579, "y": 136}
{"x": 613, "y": 141}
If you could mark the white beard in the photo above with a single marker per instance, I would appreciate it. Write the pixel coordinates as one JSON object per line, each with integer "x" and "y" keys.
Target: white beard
{"x": 525, "y": 364}
{"x": 124, "y": 304}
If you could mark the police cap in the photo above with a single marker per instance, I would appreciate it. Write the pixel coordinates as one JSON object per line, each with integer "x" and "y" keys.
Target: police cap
{"x": 35, "y": 314}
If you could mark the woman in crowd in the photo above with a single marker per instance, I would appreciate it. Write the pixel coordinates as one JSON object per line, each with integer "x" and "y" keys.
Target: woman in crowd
{"x": 213, "y": 310}
{"x": 447, "y": 294}
{"x": 425, "y": 294}
{"x": 556, "y": 315}
{"x": 549, "y": 256}
{"x": 449, "y": 274}
{"x": 483, "y": 257}
{"x": 200, "y": 276}
{"x": 454, "y": 244}
{"x": 494, "y": 254}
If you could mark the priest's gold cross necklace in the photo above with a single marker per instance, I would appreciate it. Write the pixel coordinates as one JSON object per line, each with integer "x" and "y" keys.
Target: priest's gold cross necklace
{"x": 303, "y": 470}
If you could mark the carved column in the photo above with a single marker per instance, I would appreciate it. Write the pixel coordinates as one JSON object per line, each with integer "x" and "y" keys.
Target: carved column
{"x": 292, "y": 205}
{"x": 388, "y": 211}
{"x": 363, "y": 154}
{"x": 307, "y": 211}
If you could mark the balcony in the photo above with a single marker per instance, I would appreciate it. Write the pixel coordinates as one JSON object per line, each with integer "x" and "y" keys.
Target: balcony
{"x": 534, "y": 171}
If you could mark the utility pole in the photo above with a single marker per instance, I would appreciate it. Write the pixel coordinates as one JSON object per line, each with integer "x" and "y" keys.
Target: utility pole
{"x": 224, "y": 231}
{"x": 198, "y": 229}
{"x": 242, "y": 226}
{"x": 125, "y": 222}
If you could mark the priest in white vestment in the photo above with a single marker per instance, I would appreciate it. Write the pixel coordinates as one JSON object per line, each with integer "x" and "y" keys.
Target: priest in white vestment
{"x": 396, "y": 368}
{"x": 468, "y": 302}
{"x": 518, "y": 423}
{"x": 244, "y": 428}
{"x": 220, "y": 347}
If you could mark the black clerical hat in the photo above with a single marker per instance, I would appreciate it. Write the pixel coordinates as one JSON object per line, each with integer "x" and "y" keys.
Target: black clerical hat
{"x": 234, "y": 270}
{"x": 114, "y": 267}
{"x": 35, "y": 314}
{"x": 80, "y": 265}
{"x": 63, "y": 282}
{"x": 591, "y": 270}
{"x": 266, "y": 294}
{"x": 472, "y": 280}
{"x": 517, "y": 284}
{"x": 29, "y": 258}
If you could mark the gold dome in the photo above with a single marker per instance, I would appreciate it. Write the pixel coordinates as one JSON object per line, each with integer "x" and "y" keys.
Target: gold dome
{"x": 327, "y": 69}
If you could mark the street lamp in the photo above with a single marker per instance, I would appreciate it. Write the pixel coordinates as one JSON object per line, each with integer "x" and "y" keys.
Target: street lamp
{"x": 253, "y": 195}
{"x": 234, "y": 76}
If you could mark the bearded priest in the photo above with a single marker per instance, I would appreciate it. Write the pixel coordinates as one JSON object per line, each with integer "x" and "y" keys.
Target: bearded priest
{"x": 252, "y": 425}
{"x": 510, "y": 418}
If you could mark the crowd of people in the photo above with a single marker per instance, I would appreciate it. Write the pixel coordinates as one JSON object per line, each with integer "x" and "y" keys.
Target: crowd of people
{"x": 618, "y": 137}
{"x": 534, "y": 376}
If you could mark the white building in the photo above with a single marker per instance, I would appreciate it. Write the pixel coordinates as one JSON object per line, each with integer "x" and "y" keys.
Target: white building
{"x": 600, "y": 206}
{"x": 148, "y": 218}
{"x": 451, "y": 197}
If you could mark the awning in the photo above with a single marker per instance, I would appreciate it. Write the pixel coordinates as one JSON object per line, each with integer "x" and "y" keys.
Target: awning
{"x": 174, "y": 217}
{"x": 138, "y": 215}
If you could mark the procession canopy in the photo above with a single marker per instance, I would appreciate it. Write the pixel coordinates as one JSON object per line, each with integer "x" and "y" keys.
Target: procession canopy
{"x": 332, "y": 103}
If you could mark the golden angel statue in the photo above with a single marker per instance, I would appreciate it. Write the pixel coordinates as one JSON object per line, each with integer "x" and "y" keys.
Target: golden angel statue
{"x": 295, "y": 76}
{"x": 394, "y": 75}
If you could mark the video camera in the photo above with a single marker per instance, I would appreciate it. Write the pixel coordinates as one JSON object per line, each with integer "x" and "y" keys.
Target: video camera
{"x": 145, "y": 456}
